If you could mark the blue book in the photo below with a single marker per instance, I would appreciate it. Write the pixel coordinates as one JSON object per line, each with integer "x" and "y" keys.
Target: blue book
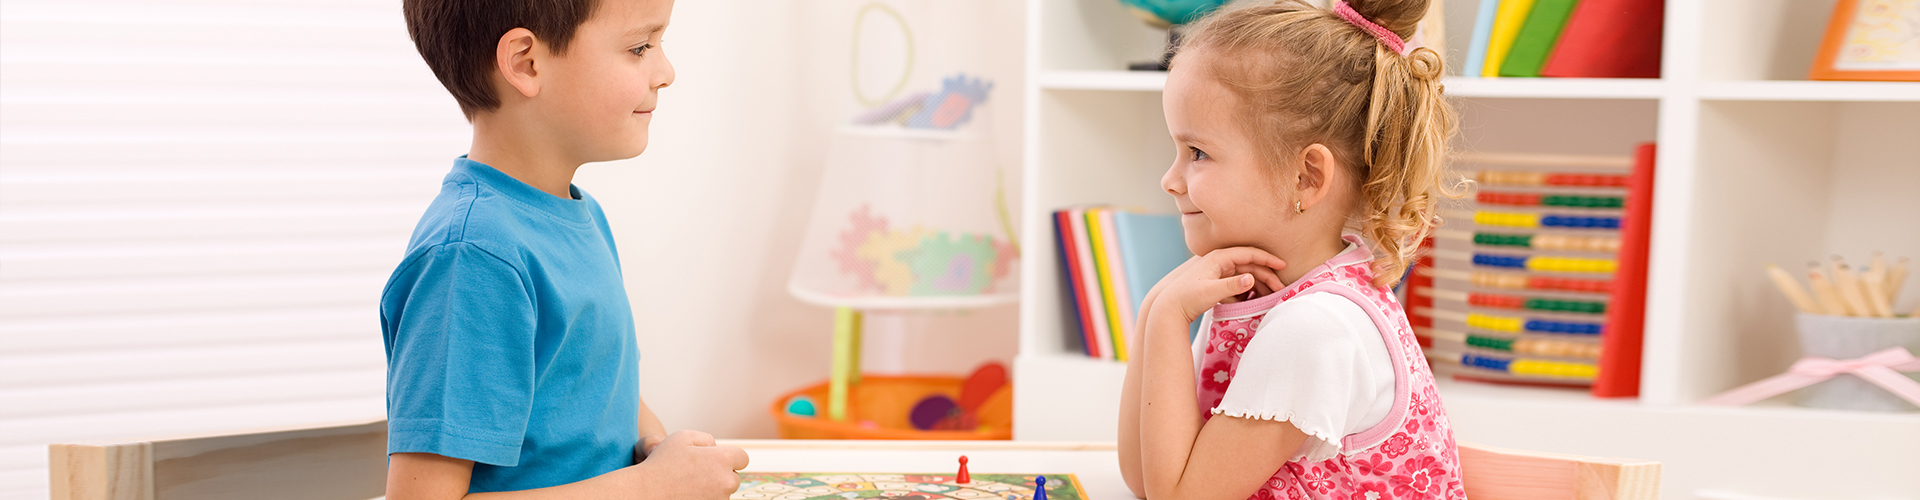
{"x": 1151, "y": 245}
{"x": 1482, "y": 36}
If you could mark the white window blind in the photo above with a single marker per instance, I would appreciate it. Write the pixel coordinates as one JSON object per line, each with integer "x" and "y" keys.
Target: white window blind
{"x": 199, "y": 203}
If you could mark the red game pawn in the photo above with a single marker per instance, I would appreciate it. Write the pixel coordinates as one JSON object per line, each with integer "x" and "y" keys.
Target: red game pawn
{"x": 963, "y": 477}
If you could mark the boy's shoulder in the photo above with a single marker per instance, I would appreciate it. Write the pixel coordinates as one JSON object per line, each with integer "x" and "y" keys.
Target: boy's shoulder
{"x": 483, "y": 208}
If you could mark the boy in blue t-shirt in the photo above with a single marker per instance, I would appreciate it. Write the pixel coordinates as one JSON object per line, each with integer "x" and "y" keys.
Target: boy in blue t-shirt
{"x": 511, "y": 364}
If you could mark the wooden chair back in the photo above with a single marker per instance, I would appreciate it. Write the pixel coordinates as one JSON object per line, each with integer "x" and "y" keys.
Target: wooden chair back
{"x": 1501, "y": 474}
{"x": 326, "y": 462}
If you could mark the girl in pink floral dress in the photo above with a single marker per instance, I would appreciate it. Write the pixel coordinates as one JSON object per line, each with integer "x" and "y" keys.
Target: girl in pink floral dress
{"x": 1311, "y": 148}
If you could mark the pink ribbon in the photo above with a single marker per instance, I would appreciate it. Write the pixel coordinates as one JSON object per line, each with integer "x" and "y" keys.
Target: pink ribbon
{"x": 1379, "y": 32}
{"x": 1882, "y": 368}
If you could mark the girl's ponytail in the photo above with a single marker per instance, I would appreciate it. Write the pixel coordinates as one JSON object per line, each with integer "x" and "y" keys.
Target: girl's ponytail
{"x": 1408, "y": 125}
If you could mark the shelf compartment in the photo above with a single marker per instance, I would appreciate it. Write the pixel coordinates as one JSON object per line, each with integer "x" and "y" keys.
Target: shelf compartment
{"x": 1781, "y": 182}
{"x": 1810, "y": 91}
{"x": 1556, "y": 88}
{"x": 1518, "y": 88}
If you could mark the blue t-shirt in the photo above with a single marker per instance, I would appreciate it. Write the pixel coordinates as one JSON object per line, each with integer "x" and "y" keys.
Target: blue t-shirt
{"x": 510, "y": 340}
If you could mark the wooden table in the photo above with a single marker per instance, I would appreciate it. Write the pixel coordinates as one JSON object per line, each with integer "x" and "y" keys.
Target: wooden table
{"x": 1096, "y": 463}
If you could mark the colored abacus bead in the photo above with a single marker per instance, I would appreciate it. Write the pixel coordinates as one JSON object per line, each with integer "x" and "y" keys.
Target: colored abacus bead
{"x": 1494, "y": 260}
{"x": 1566, "y": 265}
{"x": 1492, "y": 343}
{"x": 1495, "y": 323}
{"x": 1582, "y": 201}
{"x": 1506, "y": 240}
{"x": 1518, "y": 199}
{"x": 1487, "y": 362}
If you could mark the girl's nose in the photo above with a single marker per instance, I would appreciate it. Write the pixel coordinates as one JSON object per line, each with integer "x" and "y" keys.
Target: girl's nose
{"x": 1175, "y": 180}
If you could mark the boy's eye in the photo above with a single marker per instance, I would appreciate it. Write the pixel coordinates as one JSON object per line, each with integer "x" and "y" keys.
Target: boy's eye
{"x": 641, "y": 50}
{"x": 1197, "y": 154}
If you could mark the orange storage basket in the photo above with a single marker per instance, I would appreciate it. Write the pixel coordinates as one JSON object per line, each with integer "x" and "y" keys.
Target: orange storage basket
{"x": 886, "y": 401}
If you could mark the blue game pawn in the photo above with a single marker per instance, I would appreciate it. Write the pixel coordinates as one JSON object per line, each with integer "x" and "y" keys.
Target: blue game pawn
{"x": 1039, "y": 487}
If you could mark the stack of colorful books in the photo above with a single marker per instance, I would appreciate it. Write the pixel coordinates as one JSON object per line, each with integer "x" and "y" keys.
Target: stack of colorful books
{"x": 1567, "y": 38}
{"x": 1109, "y": 259}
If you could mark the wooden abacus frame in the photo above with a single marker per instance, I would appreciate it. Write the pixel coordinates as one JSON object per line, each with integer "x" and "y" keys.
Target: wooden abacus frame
{"x": 1553, "y": 338}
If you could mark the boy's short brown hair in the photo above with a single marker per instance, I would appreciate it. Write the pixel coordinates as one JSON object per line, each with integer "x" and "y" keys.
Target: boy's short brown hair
{"x": 458, "y": 39}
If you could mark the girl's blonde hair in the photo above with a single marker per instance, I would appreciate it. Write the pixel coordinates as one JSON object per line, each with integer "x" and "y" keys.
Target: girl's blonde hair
{"x": 1306, "y": 76}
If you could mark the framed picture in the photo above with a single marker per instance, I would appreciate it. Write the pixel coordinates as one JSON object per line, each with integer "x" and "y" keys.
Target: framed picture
{"x": 1871, "y": 40}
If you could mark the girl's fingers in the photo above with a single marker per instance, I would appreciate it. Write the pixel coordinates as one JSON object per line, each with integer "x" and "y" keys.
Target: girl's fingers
{"x": 1220, "y": 289}
{"x": 1232, "y": 257}
{"x": 1265, "y": 277}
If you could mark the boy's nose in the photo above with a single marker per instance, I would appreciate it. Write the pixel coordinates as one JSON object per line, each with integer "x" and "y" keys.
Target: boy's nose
{"x": 666, "y": 77}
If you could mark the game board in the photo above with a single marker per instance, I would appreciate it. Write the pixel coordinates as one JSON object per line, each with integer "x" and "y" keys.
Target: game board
{"x": 847, "y": 486}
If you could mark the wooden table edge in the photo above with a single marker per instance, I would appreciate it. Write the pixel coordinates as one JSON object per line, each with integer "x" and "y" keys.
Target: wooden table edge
{"x": 908, "y": 445}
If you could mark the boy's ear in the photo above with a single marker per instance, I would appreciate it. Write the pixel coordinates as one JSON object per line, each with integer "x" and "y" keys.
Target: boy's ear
{"x": 516, "y": 57}
{"x": 1317, "y": 169}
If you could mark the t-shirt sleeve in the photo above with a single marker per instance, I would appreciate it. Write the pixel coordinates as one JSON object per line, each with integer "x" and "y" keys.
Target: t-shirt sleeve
{"x": 1311, "y": 364}
{"x": 460, "y": 362}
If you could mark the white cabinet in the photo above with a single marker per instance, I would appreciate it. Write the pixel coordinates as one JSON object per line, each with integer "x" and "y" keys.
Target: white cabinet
{"x": 1755, "y": 165}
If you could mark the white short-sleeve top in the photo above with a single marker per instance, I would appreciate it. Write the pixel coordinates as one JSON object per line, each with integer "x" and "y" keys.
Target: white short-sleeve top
{"x": 1316, "y": 361}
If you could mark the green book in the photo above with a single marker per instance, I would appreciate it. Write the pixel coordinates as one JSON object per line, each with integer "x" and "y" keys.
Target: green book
{"x": 1536, "y": 38}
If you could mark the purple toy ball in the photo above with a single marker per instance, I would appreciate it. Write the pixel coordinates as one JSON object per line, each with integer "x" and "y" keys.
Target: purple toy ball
{"x": 930, "y": 411}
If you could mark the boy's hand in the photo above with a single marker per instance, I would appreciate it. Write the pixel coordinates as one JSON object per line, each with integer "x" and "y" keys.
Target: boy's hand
{"x": 1200, "y": 283}
{"x": 688, "y": 465}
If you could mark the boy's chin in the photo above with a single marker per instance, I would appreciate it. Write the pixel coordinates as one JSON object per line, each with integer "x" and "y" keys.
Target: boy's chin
{"x": 626, "y": 151}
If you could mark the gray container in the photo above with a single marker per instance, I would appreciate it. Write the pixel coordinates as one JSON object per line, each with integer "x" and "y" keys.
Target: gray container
{"x": 1844, "y": 337}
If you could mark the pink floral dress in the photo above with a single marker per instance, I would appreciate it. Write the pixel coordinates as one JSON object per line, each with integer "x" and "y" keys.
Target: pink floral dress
{"x": 1410, "y": 454}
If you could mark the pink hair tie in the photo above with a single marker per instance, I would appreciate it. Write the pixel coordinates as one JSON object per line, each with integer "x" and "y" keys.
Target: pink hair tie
{"x": 1383, "y": 34}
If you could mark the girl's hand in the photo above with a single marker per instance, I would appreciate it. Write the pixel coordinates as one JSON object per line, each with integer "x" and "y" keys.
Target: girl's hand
{"x": 1203, "y": 281}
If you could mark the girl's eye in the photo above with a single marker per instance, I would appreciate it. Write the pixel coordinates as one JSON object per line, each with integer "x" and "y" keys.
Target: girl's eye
{"x": 641, "y": 50}
{"x": 1197, "y": 153}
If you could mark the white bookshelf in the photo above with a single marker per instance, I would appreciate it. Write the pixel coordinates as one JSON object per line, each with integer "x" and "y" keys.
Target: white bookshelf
{"x": 1755, "y": 165}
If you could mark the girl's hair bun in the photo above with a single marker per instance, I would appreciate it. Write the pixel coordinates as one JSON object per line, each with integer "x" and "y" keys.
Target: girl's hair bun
{"x": 1399, "y": 16}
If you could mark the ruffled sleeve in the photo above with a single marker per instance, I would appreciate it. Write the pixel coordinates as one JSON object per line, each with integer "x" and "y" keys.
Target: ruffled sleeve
{"x": 1317, "y": 362}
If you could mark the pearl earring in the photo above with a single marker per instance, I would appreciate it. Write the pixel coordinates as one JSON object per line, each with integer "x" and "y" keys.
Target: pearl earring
{"x": 1297, "y": 209}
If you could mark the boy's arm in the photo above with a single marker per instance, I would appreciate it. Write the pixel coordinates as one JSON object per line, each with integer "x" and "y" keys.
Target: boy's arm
{"x": 650, "y": 424}
{"x": 651, "y": 432}
{"x": 687, "y": 465}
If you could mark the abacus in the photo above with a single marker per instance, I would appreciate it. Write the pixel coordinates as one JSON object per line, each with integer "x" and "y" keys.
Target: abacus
{"x": 1540, "y": 278}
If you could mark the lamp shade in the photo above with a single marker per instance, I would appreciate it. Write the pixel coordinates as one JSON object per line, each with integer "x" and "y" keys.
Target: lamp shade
{"x": 908, "y": 218}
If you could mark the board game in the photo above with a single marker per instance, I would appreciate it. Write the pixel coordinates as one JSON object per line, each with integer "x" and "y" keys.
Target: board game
{"x": 848, "y": 486}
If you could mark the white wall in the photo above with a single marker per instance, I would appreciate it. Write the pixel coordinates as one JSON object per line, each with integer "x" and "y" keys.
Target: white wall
{"x": 199, "y": 201}
{"x": 709, "y": 217}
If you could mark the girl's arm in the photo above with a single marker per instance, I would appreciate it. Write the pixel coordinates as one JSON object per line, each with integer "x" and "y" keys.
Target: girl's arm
{"x": 1130, "y": 420}
{"x": 1189, "y": 458}
{"x": 1129, "y": 438}
{"x": 1182, "y": 456}
{"x": 1266, "y": 279}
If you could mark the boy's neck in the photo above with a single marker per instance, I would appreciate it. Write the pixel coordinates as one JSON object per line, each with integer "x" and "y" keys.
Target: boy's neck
{"x": 510, "y": 145}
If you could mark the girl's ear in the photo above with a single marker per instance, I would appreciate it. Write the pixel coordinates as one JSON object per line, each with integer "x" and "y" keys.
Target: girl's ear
{"x": 1317, "y": 175}
{"x": 516, "y": 57}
